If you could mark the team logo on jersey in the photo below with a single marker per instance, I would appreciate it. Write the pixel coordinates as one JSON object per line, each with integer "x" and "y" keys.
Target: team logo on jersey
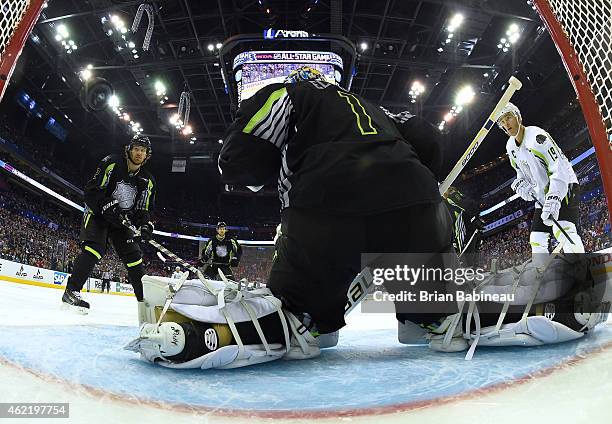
{"x": 125, "y": 194}
{"x": 210, "y": 339}
{"x": 221, "y": 250}
{"x": 540, "y": 138}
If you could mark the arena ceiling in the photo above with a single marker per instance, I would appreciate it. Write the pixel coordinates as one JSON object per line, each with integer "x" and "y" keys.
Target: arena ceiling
{"x": 399, "y": 42}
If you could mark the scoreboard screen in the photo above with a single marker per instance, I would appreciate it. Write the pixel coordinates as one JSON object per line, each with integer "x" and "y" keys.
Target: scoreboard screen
{"x": 256, "y": 69}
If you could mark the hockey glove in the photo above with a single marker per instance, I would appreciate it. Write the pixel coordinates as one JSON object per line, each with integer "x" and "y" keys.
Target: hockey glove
{"x": 111, "y": 211}
{"x": 550, "y": 211}
{"x": 146, "y": 231}
{"x": 523, "y": 188}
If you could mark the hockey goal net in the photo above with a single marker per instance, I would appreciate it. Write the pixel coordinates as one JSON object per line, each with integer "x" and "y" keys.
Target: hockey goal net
{"x": 582, "y": 32}
{"x": 17, "y": 18}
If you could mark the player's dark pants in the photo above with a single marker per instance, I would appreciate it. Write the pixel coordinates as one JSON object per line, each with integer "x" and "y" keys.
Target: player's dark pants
{"x": 96, "y": 233}
{"x": 213, "y": 273}
{"x": 318, "y": 255}
{"x": 105, "y": 284}
{"x": 570, "y": 211}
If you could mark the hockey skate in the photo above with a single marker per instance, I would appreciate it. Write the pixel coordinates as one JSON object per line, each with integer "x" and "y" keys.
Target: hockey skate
{"x": 71, "y": 300}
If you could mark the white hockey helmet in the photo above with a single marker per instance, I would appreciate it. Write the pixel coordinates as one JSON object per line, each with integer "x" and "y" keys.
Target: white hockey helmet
{"x": 510, "y": 108}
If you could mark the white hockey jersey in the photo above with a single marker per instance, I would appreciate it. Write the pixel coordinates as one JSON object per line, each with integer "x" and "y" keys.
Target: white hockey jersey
{"x": 540, "y": 161}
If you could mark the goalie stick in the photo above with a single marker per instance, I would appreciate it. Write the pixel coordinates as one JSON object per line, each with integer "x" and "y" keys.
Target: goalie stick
{"x": 513, "y": 85}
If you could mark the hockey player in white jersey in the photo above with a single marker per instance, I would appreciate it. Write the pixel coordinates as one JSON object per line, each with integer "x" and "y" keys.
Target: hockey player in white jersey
{"x": 177, "y": 274}
{"x": 543, "y": 175}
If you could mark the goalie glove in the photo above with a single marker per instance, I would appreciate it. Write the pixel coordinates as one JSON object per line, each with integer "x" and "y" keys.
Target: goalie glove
{"x": 550, "y": 210}
{"x": 523, "y": 188}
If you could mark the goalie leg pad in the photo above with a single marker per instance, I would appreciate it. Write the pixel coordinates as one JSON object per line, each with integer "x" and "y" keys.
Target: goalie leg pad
{"x": 532, "y": 331}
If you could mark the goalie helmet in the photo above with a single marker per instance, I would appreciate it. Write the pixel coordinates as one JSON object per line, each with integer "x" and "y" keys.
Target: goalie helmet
{"x": 304, "y": 73}
{"x": 510, "y": 108}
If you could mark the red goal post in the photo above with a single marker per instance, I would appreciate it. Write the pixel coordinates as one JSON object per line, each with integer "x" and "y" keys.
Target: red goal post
{"x": 582, "y": 32}
{"x": 17, "y": 18}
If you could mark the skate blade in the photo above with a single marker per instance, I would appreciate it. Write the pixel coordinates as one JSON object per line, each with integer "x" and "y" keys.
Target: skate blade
{"x": 74, "y": 309}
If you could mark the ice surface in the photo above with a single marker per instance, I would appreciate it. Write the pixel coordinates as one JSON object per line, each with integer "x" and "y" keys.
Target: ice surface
{"x": 50, "y": 355}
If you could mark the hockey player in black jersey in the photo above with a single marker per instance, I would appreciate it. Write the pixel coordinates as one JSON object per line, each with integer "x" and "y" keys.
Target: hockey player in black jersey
{"x": 220, "y": 252}
{"x": 352, "y": 178}
{"x": 120, "y": 189}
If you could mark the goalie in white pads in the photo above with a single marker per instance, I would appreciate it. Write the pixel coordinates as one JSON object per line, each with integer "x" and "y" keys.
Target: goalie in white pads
{"x": 543, "y": 173}
{"x": 216, "y": 324}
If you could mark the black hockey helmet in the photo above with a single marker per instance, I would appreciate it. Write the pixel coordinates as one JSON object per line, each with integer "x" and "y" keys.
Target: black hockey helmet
{"x": 139, "y": 140}
{"x": 221, "y": 224}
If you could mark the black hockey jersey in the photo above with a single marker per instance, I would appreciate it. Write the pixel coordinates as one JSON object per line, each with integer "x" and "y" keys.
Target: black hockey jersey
{"x": 328, "y": 149}
{"x": 222, "y": 252}
{"x": 112, "y": 180}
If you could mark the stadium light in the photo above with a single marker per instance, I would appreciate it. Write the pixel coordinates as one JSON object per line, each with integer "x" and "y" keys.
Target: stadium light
{"x": 86, "y": 74}
{"x": 113, "y": 101}
{"x": 363, "y": 46}
{"x": 160, "y": 88}
{"x": 218, "y": 45}
{"x": 187, "y": 130}
{"x": 220, "y": 141}
{"x": 455, "y": 22}
{"x": 62, "y": 31}
{"x": 211, "y": 47}
{"x": 464, "y": 96}
{"x": 512, "y": 35}
{"x": 174, "y": 118}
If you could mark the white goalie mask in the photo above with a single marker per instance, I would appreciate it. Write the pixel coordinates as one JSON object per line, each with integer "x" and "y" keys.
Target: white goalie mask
{"x": 159, "y": 342}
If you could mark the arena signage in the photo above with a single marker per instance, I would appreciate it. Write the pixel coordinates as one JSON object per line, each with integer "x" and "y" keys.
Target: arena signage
{"x": 270, "y": 34}
{"x": 288, "y": 57}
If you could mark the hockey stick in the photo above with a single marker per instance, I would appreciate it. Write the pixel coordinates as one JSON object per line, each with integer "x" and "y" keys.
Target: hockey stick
{"x": 136, "y": 233}
{"x": 554, "y": 221}
{"x": 469, "y": 242}
{"x": 514, "y": 85}
{"x": 358, "y": 289}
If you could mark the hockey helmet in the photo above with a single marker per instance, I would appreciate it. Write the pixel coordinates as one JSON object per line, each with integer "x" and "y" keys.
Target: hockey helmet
{"x": 139, "y": 140}
{"x": 510, "y": 108}
{"x": 304, "y": 73}
{"x": 221, "y": 224}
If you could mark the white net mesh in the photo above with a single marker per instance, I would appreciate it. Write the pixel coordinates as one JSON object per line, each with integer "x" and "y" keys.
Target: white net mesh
{"x": 11, "y": 14}
{"x": 588, "y": 27}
